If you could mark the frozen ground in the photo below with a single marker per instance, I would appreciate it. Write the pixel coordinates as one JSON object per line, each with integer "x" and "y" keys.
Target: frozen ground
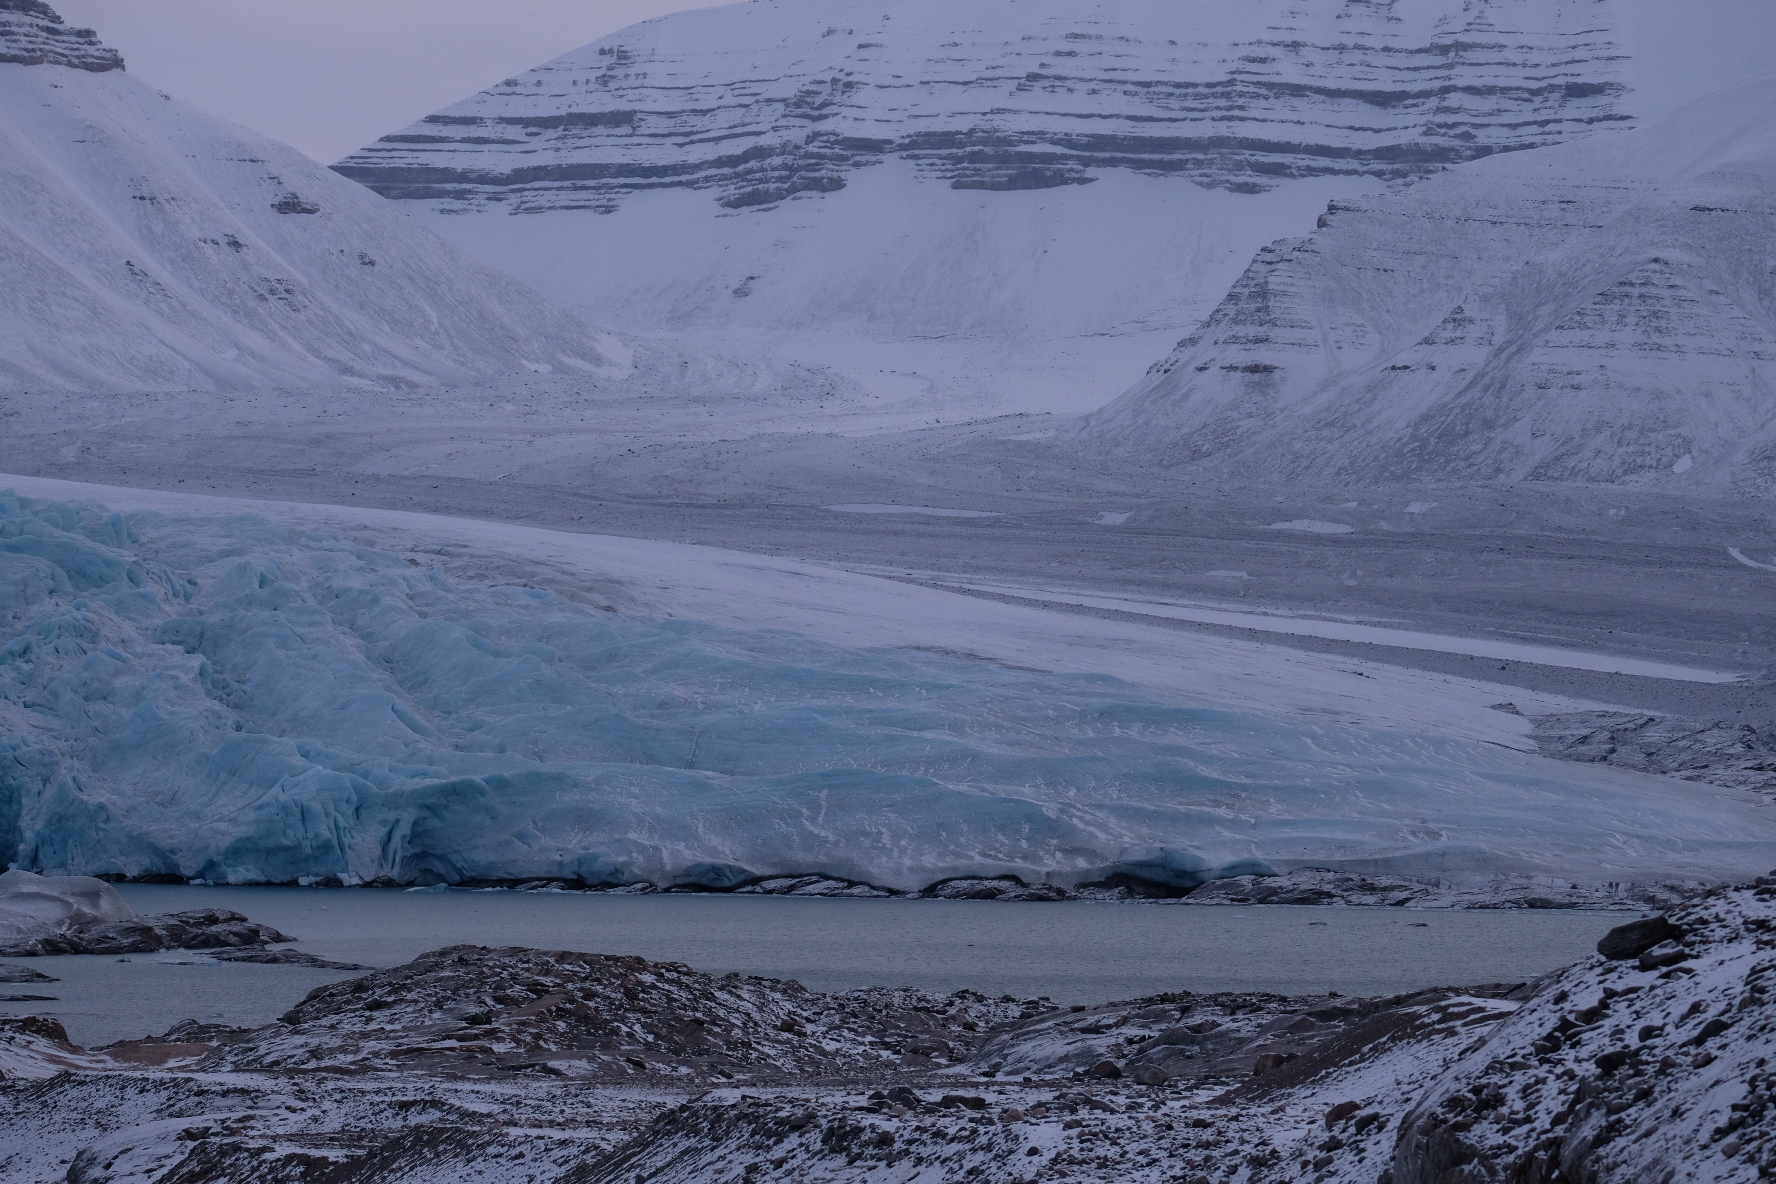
{"x": 258, "y": 692}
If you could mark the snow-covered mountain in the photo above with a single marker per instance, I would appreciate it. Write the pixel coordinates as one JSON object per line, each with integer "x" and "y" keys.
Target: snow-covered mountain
{"x": 1603, "y": 311}
{"x": 1006, "y": 170}
{"x": 147, "y": 246}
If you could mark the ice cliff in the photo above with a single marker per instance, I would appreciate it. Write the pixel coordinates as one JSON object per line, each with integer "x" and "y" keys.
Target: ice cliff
{"x": 146, "y": 246}
{"x": 213, "y": 696}
{"x": 1596, "y": 312}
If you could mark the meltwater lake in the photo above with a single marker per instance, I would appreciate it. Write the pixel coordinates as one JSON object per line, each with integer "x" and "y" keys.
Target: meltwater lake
{"x": 1071, "y": 952}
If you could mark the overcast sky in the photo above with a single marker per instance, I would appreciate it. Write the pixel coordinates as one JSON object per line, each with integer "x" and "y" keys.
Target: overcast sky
{"x": 329, "y": 76}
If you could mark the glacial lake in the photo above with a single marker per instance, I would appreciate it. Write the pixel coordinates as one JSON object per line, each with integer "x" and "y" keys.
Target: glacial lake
{"x": 1072, "y": 952}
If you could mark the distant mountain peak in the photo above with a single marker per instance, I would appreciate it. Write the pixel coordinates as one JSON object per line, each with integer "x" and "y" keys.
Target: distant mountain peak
{"x": 34, "y": 34}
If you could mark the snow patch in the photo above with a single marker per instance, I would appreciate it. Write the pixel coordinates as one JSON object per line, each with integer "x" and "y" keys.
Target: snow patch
{"x": 1312, "y": 526}
{"x": 934, "y": 511}
{"x": 1284, "y": 622}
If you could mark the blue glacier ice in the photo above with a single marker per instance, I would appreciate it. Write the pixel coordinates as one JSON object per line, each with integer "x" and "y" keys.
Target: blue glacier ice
{"x": 221, "y": 697}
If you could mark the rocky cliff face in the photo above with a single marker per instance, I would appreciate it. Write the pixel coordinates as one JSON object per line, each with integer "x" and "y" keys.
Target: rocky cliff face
{"x": 754, "y": 102}
{"x": 1595, "y": 312}
{"x": 33, "y": 34}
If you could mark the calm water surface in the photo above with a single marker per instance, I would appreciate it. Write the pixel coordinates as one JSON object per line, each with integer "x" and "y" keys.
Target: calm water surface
{"x": 1072, "y": 953}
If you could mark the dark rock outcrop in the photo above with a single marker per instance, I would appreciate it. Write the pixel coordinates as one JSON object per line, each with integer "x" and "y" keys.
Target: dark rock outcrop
{"x": 1737, "y": 756}
{"x": 195, "y": 929}
{"x": 476, "y": 1010}
{"x": 1637, "y": 937}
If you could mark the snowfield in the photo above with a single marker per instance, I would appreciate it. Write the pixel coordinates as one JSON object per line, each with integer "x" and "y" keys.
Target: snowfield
{"x": 251, "y": 692}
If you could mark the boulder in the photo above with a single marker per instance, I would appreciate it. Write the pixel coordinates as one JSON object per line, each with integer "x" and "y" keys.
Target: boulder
{"x": 1636, "y": 938}
{"x": 1149, "y": 1075}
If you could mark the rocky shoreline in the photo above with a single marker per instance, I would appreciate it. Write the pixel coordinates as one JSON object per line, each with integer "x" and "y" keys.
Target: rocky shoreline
{"x": 551, "y": 1067}
{"x": 1300, "y": 886}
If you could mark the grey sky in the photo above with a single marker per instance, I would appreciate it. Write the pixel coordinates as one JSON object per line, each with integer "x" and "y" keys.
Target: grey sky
{"x": 329, "y": 76}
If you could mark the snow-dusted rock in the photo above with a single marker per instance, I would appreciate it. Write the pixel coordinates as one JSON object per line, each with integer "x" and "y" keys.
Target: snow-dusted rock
{"x": 218, "y": 697}
{"x": 594, "y": 1015}
{"x": 1596, "y": 312}
{"x": 147, "y": 246}
{"x": 1622, "y": 1069}
{"x": 32, "y": 1048}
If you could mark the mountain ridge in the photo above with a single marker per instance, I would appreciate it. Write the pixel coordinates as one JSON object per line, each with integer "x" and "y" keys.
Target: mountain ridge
{"x": 1595, "y": 312}
{"x": 1015, "y": 101}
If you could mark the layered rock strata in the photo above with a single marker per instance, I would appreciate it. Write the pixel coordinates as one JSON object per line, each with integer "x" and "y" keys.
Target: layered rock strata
{"x": 34, "y": 34}
{"x": 756, "y": 102}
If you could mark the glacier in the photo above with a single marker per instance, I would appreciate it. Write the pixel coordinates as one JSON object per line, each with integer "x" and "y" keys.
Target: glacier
{"x": 227, "y": 696}
{"x": 1594, "y": 312}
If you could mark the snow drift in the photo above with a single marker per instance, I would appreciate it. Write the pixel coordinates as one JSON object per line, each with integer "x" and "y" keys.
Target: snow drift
{"x": 215, "y": 696}
{"x": 1601, "y": 311}
{"x": 147, "y": 246}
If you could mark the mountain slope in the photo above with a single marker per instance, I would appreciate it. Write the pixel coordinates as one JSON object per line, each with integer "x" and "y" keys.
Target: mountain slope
{"x": 1006, "y": 174}
{"x": 149, "y": 247}
{"x": 1598, "y": 312}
